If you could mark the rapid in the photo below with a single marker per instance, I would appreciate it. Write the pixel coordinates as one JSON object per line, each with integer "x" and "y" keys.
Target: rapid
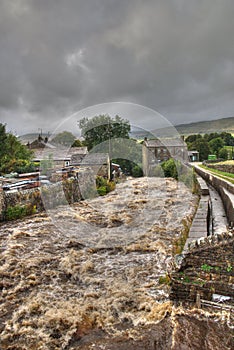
{"x": 88, "y": 277}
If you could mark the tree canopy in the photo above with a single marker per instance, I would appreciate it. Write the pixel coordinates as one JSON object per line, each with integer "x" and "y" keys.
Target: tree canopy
{"x": 13, "y": 155}
{"x": 211, "y": 143}
{"x": 101, "y": 128}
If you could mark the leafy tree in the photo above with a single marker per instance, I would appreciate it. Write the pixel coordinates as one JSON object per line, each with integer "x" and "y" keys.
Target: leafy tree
{"x": 65, "y": 138}
{"x": 216, "y": 144}
{"x": 227, "y": 138}
{"x": 223, "y": 153}
{"x": 202, "y": 146}
{"x": 3, "y": 141}
{"x": 211, "y": 136}
{"x": 192, "y": 138}
{"x": 101, "y": 128}
{"x": 13, "y": 155}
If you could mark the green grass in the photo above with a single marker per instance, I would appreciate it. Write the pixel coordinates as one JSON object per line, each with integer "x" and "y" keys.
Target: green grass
{"x": 222, "y": 174}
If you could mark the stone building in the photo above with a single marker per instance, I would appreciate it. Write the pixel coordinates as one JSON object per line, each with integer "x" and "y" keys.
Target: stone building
{"x": 156, "y": 151}
{"x": 61, "y": 156}
{"x": 97, "y": 163}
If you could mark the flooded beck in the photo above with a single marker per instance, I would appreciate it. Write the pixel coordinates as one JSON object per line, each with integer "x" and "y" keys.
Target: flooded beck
{"x": 87, "y": 277}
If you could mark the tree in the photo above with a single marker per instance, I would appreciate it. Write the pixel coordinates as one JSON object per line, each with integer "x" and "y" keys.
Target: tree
{"x": 3, "y": 141}
{"x": 211, "y": 136}
{"x": 216, "y": 144}
{"x": 13, "y": 155}
{"x": 192, "y": 138}
{"x": 101, "y": 128}
{"x": 227, "y": 138}
{"x": 65, "y": 138}
{"x": 202, "y": 146}
{"x": 223, "y": 153}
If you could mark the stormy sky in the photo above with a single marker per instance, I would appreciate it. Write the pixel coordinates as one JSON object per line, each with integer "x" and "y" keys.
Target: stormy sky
{"x": 60, "y": 56}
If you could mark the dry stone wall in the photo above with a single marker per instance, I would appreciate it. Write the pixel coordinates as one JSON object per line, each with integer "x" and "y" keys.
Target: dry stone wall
{"x": 206, "y": 269}
{"x": 229, "y": 168}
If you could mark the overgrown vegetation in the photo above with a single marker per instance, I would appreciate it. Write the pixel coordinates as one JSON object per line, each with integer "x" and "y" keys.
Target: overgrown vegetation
{"x": 19, "y": 211}
{"x": 104, "y": 186}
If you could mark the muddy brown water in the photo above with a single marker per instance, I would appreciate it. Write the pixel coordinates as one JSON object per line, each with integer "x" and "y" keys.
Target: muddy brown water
{"x": 87, "y": 277}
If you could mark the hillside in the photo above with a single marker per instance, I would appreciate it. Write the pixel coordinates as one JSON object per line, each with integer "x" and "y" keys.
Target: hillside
{"x": 219, "y": 125}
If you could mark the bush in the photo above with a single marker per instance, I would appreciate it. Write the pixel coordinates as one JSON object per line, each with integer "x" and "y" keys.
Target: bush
{"x": 18, "y": 211}
{"x": 170, "y": 169}
{"x": 137, "y": 171}
{"x": 104, "y": 186}
{"x": 102, "y": 190}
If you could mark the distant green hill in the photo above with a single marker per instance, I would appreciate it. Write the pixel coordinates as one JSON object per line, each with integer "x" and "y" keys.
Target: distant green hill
{"x": 218, "y": 125}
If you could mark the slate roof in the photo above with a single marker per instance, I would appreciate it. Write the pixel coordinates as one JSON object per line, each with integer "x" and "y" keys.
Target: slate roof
{"x": 90, "y": 159}
{"x": 59, "y": 153}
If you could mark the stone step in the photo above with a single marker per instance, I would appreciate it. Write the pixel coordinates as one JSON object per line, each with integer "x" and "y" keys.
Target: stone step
{"x": 204, "y": 190}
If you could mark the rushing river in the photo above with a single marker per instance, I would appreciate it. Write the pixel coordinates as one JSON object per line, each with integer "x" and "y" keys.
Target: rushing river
{"x": 87, "y": 277}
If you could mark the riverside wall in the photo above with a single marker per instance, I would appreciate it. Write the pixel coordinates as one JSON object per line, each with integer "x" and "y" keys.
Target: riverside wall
{"x": 205, "y": 269}
{"x": 225, "y": 190}
{"x": 49, "y": 196}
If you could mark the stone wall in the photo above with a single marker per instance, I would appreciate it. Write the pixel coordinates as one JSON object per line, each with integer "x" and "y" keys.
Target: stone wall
{"x": 225, "y": 190}
{"x": 229, "y": 168}
{"x": 47, "y": 197}
{"x": 206, "y": 269}
{"x": 2, "y": 204}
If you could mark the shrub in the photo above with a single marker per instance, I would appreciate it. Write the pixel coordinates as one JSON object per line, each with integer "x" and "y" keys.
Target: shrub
{"x": 137, "y": 171}
{"x": 102, "y": 190}
{"x": 104, "y": 186}
{"x": 170, "y": 169}
{"x": 18, "y": 211}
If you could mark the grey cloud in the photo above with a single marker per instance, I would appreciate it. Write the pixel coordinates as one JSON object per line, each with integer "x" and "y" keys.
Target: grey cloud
{"x": 57, "y": 56}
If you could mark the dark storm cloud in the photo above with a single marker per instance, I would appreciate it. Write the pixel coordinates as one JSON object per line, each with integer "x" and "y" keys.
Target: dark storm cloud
{"x": 58, "y": 56}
